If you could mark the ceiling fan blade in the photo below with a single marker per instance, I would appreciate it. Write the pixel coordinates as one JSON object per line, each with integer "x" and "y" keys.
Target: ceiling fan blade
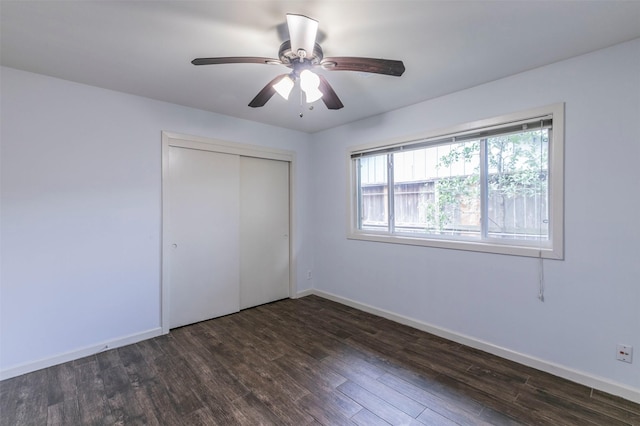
{"x": 266, "y": 93}
{"x": 329, "y": 97}
{"x": 373, "y": 65}
{"x": 302, "y": 32}
{"x": 235, "y": 60}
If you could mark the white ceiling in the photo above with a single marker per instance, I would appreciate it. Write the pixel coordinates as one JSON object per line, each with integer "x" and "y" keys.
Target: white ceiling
{"x": 145, "y": 47}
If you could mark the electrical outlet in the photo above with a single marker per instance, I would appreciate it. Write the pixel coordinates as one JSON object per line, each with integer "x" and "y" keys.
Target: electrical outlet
{"x": 624, "y": 353}
{"x": 309, "y": 275}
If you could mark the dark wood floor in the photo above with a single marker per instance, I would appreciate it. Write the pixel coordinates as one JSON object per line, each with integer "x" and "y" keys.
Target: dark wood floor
{"x": 302, "y": 362}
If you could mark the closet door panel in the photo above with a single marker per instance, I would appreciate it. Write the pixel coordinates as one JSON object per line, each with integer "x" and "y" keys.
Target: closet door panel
{"x": 264, "y": 231}
{"x": 204, "y": 245}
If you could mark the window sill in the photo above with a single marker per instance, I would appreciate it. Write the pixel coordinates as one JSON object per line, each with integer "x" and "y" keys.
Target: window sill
{"x": 477, "y": 246}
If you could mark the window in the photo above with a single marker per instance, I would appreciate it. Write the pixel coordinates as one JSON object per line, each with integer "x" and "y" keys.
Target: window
{"x": 494, "y": 186}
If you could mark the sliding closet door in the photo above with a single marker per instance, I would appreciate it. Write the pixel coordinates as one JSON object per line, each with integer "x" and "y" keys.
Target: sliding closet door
{"x": 264, "y": 231}
{"x": 203, "y": 220}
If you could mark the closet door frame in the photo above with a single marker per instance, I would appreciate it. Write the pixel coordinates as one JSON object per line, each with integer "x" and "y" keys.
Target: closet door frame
{"x": 170, "y": 139}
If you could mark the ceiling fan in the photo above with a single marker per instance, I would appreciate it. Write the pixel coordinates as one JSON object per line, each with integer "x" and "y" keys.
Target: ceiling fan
{"x": 301, "y": 53}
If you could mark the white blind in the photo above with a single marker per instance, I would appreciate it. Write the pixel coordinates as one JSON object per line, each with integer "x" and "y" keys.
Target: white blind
{"x": 535, "y": 123}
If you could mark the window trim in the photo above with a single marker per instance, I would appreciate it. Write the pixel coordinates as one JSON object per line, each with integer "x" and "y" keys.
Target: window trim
{"x": 552, "y": 250}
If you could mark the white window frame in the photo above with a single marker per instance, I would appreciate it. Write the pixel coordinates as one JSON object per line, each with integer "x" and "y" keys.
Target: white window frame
{"x": 551, "y": 249}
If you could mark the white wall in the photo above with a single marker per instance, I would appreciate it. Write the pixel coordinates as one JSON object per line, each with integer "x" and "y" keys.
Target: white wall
{"x": 81, "y": 213}
{"x": 80, "y": 221}
{"x": 592, "y": 297}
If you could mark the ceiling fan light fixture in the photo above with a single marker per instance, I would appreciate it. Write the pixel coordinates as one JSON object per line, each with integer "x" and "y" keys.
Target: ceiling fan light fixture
{"x": 313, "y": 95}
{"x": 309, "y": 83}
{"x": 300, "y": 53}
{"x": 284, "y": 86}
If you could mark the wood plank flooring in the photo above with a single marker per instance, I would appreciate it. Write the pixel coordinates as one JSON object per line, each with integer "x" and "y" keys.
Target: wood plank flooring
{"x": 308, "y": 361}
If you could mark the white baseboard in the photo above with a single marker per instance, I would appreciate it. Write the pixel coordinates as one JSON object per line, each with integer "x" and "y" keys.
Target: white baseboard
{"x": 78, "y": 353}
{"x": 304, "y": 293}
{"x": 599, "y": 383}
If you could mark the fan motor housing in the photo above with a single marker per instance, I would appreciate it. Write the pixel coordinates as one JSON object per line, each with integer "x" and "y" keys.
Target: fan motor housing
{"x": 290, "y": 58}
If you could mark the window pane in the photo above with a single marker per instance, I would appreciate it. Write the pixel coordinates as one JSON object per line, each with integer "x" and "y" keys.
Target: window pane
{"x": 518, "y": 191}
{"x": 437, "y": 190}
{"x": 373, "y": 193}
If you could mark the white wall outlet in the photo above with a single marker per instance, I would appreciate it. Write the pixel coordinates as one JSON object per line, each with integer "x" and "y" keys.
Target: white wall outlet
{"x": 624, "y": 353}
{"x": 309, "y": 275}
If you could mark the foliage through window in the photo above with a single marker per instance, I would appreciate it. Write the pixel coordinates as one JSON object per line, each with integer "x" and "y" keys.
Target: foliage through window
{"x": 488, "y": 188}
